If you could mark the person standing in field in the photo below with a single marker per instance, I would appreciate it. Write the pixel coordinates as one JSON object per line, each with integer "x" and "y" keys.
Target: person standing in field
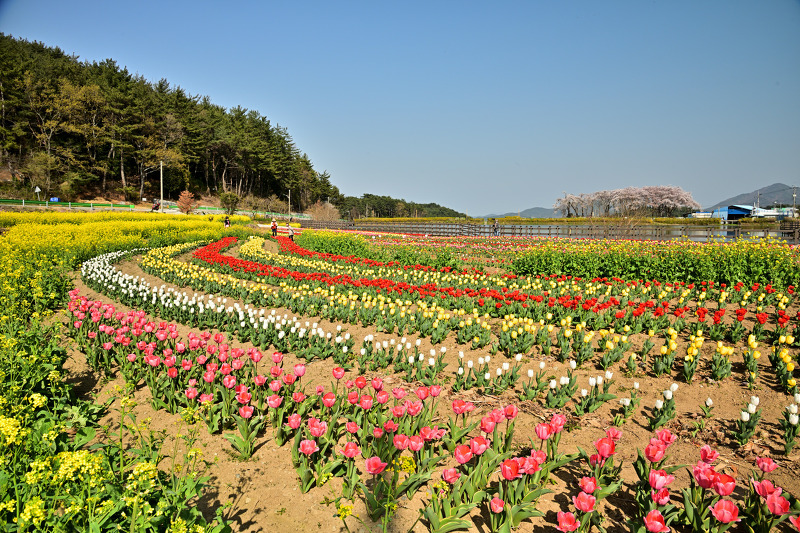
{"x": 496, "y": 228}
{"x": 274, "y": 228}
{"x": 290, "y": 231}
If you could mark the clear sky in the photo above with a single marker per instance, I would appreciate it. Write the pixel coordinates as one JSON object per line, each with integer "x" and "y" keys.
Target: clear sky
{"x": 482, "y": 107}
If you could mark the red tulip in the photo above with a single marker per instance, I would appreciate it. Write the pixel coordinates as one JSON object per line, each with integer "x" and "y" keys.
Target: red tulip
{"x": 338, "y": 373}
{"x": 511, "y": 412}
{"x": 509, "y": 469}
{"x": 605, "y": 447}
{"x": 765, "y": 488}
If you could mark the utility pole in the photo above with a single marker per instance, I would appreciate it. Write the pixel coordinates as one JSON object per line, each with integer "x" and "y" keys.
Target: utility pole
{"x": 794, "y": 197}
{"x": 161, "y": 203}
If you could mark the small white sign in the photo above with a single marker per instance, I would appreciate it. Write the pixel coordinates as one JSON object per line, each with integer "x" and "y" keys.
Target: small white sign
{"x": 37, "y": 189}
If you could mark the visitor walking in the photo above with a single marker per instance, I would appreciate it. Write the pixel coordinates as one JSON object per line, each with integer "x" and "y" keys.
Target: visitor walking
{"x": 274, "y": 228}
{"x": 290, "y": 231}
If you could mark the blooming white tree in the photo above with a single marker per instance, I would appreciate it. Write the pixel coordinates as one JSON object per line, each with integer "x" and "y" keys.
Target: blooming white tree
{"x": 659, "y": 200}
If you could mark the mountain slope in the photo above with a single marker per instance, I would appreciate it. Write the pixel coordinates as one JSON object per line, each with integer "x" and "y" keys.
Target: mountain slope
{"x": 777, "y": 193}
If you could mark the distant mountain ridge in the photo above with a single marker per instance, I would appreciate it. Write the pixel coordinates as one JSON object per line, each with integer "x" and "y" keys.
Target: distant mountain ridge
{"x": 532, "y": 212}
{"x": 766, "y": 197}
{"x": 777, "y": 193}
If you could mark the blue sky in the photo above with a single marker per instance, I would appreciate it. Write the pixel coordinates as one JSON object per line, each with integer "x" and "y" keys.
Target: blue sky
{"x": 481, "y": 108}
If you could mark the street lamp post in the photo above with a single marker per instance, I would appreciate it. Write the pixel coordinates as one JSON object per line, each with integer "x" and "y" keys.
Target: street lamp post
{"x": 161, "y": 201}
{"x": 290, "y": 201}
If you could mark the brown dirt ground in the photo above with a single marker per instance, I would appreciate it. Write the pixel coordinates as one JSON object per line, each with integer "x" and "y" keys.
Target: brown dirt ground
{"x": 263, "y": 493}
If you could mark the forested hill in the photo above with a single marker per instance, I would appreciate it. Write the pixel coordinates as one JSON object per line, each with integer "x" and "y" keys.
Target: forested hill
{"x": 69, "y": 126}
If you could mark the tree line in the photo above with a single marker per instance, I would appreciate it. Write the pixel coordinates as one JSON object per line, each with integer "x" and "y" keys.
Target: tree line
{"x": 68, "y": 126}
{"x": 659, "y": 201}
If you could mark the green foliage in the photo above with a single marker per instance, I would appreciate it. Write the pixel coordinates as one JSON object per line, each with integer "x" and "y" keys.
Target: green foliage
{"x": 230, "y": 201}
{"x": 745, "y": 261}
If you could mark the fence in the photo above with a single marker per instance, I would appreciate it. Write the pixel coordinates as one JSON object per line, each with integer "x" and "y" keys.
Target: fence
{"x": 643, "y": 232}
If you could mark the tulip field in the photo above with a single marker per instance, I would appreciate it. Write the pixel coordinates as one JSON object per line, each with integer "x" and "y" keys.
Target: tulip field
{"x": 168, "y": 374}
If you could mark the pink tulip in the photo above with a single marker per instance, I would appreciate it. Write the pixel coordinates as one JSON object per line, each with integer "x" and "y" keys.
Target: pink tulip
{"x": 277, "y": 357}
{"x": 351, "y": 450}
{"x": 511, "y": 412}
{"x": 660, "y": 497}
{"x": 298, "y": 397}
{"x": 299, "y": 370}
{"x": 655, "y": 451}
{"x": 487, "y": 424}
{"x": 361, "y": 382}
{"x": 390, "y": 427}
{"x": 351, "y": 427}
{"x": 665, "y": 436}
{"x": 659, "y": 479}
{"x": 375, "y": 466}
{"x": 382, "y": 397}
{"x": 329, "y": 399}
{"x": 724, "y": 484}
{"x": 365, "y": 402}
{"x": 567, "y": 522}
{"x": 654, "y": 522}
{"x": 588, "y": 484}
{"x": 308, "y": 447}
{"x": 436, "y": 390}
{"x": 765, "y": 488}
{"x": 377, "y": 384}
{"x": 613, "y": 434}
{"x": 450, "y": 475}
{"x": 497, "y": 505}
{"x": 462, "y": 454}
{"x": 423, "y": 392}
{"x": 543, "y": 431}
{"x": 338, "y": 373}
{"x": 274, "y": 401}
{"x": 399, "y": 393}
{"x": 584, "y": 502}
{"x": 294, "y": 421}
{"x": 478, "y": 445}
{"x": 777, "y": 504}
{"x": 191, "y": 393}
{"x": 708, "y": 455}
{"x": 229, "y": 382}
{"x": 415, "y": 443}
{"x": 246, "y": 411}
{"x": 400, "y": 441}
{"x": 414, "y": 408}
{"x": 605, "y": 447}
{"x": 766, "y": 464}
{"x": 725, "y": 511}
